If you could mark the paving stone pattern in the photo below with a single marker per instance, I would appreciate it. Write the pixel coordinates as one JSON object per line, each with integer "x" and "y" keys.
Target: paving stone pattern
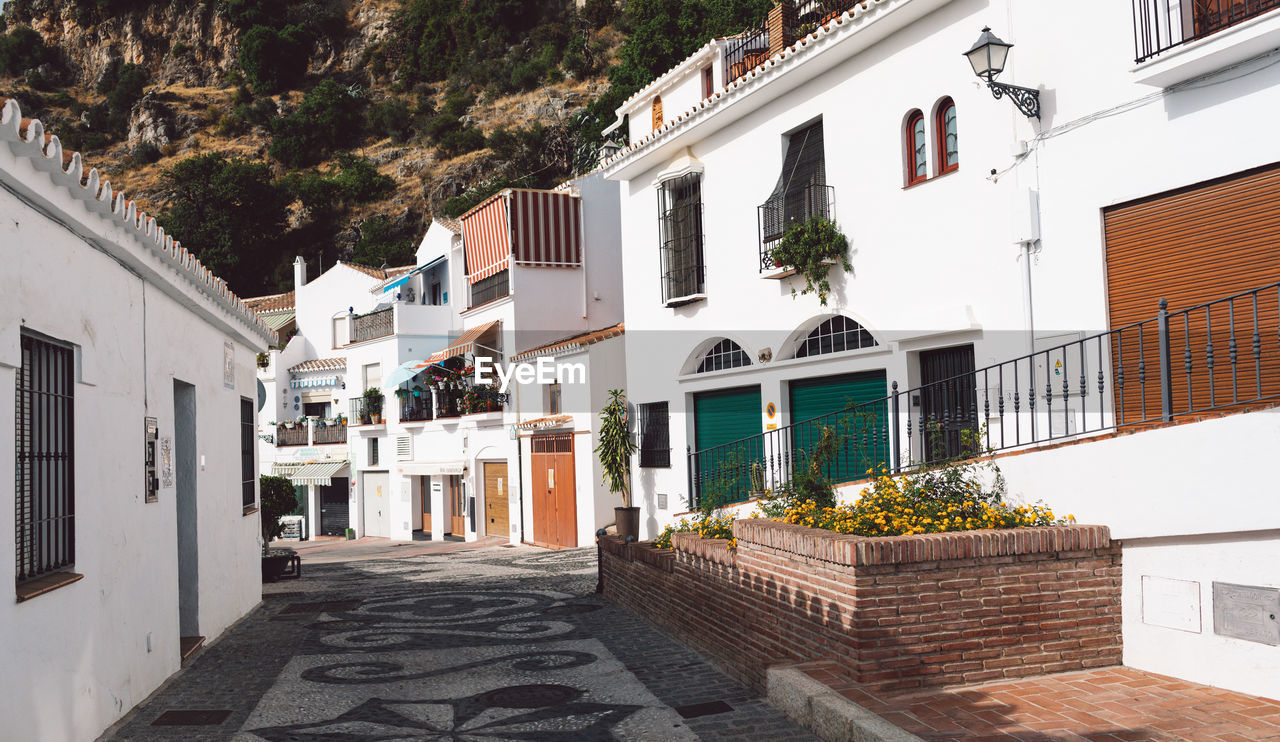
{"x": 479, "y": 643}
{"x": 1105, "y": 705}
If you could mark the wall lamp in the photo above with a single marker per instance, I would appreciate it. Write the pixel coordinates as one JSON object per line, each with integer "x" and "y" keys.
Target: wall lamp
{"x": 987, "y": 58}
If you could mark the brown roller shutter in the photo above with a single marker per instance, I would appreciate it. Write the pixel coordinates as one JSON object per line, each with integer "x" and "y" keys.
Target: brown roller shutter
{"x": 1192, "y": 246}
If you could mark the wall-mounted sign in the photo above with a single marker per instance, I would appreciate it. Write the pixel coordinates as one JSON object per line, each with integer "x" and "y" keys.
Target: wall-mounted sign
{"x": 166, "y": 462}
{"x": 771, "y": 409}
{"x": 1247, "y": 612}
{"x": 228, "y": 364}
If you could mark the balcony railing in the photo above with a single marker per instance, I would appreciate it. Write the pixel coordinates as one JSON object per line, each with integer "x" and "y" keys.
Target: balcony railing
{"x": 1161, "y": 25}
{"x": 786, "y": 23}
{"x": 362, "y": 413}
{"x": 372, "y": 325}
{"x": 416, "y": 409}
{"x": 1218, "y": 356}
{"x": 298, "y": 435}
{"x": 328, "y": 433}
{"x": 778, "y": 214}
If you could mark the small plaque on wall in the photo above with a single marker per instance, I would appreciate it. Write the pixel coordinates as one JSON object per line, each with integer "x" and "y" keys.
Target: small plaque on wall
{"x": 1172, "y": 604}
{"x": 1247, "y": 612}
{"x": 662, "y": 502}
{"x": 229, "y": 364}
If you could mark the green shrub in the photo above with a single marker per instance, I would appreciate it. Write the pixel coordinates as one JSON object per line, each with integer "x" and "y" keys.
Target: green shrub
{"x": 329, "y": 118}
{"x": 277, "y": 498}
{"x": 460, "y": 141}
{"x": 381, "y": 243}
{"x": 24, "y": 49}
{"x": 273, "y": 60}
{"x": 391, "y": 118}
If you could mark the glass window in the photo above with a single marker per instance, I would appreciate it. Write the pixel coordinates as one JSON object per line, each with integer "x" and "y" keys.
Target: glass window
{"x": 248, "y": 437}
{"x": 948, "y": 146}
{"x": 917, "y": 157}
{"x": 655, "y": 435}
{"x": 553, "y": 399}
{"x": 835, "y": 335}
{"x": 680, "y": 212}
{"x": 724, "y": 354}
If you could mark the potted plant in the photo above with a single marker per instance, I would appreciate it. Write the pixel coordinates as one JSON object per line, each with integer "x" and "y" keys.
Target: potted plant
{"x": 373, "y": 404}
{"x": 277, "y": 499}
{"x": 812, "y": 248}
{"x": 615, "y": 449}
{"x": 264, "y": 360}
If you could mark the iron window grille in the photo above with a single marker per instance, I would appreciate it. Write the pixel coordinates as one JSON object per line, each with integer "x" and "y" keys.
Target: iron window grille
{"x": 800, "y": 194}
{"x": 248, "y": 436}
{"x": 655, "y": 435}
{"x": 680, "y": 232}
{"x": 553, "y": 399}
{"x": 492, "y": 287}
{"x": 835, "y": 335}
{"x": 373, "y": 452}
{"x": 44, "y": 454}
{"x": 723, "y": 355}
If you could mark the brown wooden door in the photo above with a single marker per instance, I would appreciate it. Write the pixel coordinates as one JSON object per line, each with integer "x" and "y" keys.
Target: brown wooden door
{"x": 457, "y": 508}
{"x": 1192, "y": 246}
{"x": 424, "y": 486}
{"x": 554, "y": 490}
{"x": 497, "y": 521}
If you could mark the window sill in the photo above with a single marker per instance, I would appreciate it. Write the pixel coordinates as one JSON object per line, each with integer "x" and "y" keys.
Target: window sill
{"x": 483, "y": 305}
{"x": 249, "y": 510}
{"x": 680, "y": 301}
{"x": 41, "y": 585}
{"x": 786, "y": 271}
{"x": 931, "y": 178}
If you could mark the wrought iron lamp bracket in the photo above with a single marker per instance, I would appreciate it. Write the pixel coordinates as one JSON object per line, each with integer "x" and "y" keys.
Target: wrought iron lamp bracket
{"x": 1027, "y": 100}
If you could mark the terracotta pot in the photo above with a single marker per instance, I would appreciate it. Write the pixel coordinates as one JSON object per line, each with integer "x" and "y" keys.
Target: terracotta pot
{"x": 628, "y": 520}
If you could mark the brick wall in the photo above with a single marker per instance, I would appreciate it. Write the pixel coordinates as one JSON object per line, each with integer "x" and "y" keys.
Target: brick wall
{"x": 901, "y": 612}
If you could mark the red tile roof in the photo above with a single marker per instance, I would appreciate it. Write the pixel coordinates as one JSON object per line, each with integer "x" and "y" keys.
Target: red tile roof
{"x": 272, "y": 303}
{"x": 378, "y": 272}
{"x": 572, "y": 343}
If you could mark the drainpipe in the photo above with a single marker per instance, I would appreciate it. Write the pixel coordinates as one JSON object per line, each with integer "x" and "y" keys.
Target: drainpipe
{"x": 515, "y": 405}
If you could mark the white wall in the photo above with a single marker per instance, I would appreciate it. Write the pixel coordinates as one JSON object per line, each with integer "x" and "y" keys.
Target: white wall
{"x": 81, "y": 656}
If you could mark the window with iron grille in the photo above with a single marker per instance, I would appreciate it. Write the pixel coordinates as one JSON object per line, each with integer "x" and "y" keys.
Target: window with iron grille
{"x": 655, "y": 435}
{"x": 800, "y": 193}
{"x": 724, "y": 354}
{"x": 44, "y": 459}
{"x": 835, "y": 335}
{"x": 680, "y": 229}
{"x": 248, "y": 434}
{"x": 553, "y": 399}
{"x": 490, "y": 288}
{"x": 373, "y": 452}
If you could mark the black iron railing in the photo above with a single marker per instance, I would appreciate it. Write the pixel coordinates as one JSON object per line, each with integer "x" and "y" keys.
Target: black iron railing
{"x": 362, "y": 412}
{"x": 777, "y": 214}
{"x": 372, "y": 325}
{"x": 789, "y": 21}
{"x": 1161, "y": 25}
{"x": 416, "y": 409}
{"x": 1215, "y": 356}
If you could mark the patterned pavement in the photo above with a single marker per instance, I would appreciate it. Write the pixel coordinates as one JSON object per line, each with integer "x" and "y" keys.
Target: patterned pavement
{"x": 459, "y": 642}
{"x": 1105, "y": 705}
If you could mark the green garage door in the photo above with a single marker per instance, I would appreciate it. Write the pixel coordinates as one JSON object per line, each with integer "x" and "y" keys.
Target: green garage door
{"x": 861, "y": 424}
{"x": 721, "y": 420}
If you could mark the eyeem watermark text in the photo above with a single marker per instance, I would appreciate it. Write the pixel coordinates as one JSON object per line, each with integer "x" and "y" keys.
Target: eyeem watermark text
{"x": 542, "y": 371}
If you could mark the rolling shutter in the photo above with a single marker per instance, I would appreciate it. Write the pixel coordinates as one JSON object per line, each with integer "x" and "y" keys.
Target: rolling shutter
{"x": 865, "y": 428}
{"x": 1191, "y": 246}
{"x": 722, "y": 417}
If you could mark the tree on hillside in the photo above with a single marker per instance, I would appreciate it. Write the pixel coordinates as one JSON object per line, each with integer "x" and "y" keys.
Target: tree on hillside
{"x": 329, "y": 119}
{"x": 230, "y": 214}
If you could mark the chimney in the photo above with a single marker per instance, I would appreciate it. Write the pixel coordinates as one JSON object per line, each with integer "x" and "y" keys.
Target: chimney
{"x": 299, "y": 272}
{"x": 782, "y": 26}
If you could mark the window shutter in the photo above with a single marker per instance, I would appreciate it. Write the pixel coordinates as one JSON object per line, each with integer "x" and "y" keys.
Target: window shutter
{"x": 803, "y": 166}
{"x": 404, "y": 448}
{"x": 657, "y": 112}
{"x": 654, "y": 426}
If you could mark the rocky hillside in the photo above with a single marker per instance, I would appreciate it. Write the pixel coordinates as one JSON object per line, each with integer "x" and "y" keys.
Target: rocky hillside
{"x": 262, "y": 129}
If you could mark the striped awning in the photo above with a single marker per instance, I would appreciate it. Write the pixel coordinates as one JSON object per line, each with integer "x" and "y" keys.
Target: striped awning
{"x": 314, "y": 381}
{"x": 318, "y": 474}
{"x": 546, "y": 229}
{"x": 486, "y": 239}
{"x": 465, "y": 342}
{"x": 276, "y": 321}
{"x": 284, "y": 470}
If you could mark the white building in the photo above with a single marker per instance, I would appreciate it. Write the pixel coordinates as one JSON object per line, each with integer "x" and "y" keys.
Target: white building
{"x": 540, "y": 267}
{"x": 977, "y": 234}
{"x": 135, "y": 534}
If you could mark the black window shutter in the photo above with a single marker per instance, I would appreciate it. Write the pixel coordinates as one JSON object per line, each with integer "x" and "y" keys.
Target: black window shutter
{"x": 803, "y": 166}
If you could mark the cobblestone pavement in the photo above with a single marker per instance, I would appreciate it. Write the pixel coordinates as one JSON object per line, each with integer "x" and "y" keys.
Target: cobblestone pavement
{"x": 486, "y": 643}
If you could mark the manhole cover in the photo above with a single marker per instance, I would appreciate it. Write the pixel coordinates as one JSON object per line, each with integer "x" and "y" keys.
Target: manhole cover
{"x": 569, "y": 609}
{"x": 528, "y": 696}
{"x": 323, "y": 606}
{"x": 695, "y": 710}
{"x": 191, "y": 718}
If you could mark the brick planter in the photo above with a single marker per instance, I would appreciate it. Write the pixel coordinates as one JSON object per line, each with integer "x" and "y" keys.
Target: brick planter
{"x": 899, "y": 612}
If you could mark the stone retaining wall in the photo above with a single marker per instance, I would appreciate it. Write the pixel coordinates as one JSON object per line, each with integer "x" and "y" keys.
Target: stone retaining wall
{"x": 899, "y": 612}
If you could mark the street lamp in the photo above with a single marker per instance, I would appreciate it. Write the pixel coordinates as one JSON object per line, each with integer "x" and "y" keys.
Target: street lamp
{"x": 987, "y": 57}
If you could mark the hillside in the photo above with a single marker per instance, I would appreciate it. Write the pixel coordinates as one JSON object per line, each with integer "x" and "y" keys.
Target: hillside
{"x": 334, "y": 129}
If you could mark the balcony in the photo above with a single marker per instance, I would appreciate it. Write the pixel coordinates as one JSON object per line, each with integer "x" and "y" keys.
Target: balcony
{"x": 363, "y": 413}
{"x": 323, "y": 433}
{"x": 1163, "y": 25}
{"x": 785, "y": 23}
{"x": 373, "y": 325}
{"x": 797, "y": 207}
{"x": 416, "y": 409}
{"x": 311, "y": 432}
{"x": 293, "y": 434}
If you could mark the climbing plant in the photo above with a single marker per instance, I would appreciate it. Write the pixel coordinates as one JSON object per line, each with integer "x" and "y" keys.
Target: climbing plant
{"x": 812, "y": 248}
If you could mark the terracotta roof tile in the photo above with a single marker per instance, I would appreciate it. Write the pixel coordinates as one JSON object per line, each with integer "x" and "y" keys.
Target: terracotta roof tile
{"x": 378, "y": 272}
{"x": 272, "y": 303}
{"x": 571, "y": 343}
{"x": 320, "y": 364}
{"x": 453, "y": 225}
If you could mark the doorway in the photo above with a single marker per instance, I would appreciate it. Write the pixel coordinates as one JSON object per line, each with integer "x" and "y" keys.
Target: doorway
{"x": 949, "y": 399}
{"x": 496, "y": 512}
{"x": 555, "y": 512}
{"x": 375, "y": 489}
{"x": 184, "y": 443}
{"x": 424, "y": 486}
{"x": 457, "y": 508}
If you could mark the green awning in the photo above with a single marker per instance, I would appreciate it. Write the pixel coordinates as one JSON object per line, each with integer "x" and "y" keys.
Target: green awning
{"x": 276, "y": 321}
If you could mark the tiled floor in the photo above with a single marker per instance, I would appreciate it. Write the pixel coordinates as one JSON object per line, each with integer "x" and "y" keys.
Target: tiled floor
{"x": 1109, "y": 704}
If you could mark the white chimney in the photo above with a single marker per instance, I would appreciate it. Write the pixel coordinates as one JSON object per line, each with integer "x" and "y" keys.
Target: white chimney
{"x": 299, "y": 272}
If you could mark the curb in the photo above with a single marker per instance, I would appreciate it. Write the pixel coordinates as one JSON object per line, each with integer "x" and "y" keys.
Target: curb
{"x": 826, "y": 713}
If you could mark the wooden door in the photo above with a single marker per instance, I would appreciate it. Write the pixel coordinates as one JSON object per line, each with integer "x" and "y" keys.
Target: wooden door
{"x": 555, "y": 512}
{"x": 497, "y": 520}
{"x": 424, "y": 486}
{"x": 457, "y": 508}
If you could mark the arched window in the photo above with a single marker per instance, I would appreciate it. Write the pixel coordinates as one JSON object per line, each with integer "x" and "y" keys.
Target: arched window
{"x": 835, "y": 335}
{"x": 724, "y": 354}
{"x": 657, "y": 112}
{"x": 944, "y": 128}
{"x": 917, "y": 149}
